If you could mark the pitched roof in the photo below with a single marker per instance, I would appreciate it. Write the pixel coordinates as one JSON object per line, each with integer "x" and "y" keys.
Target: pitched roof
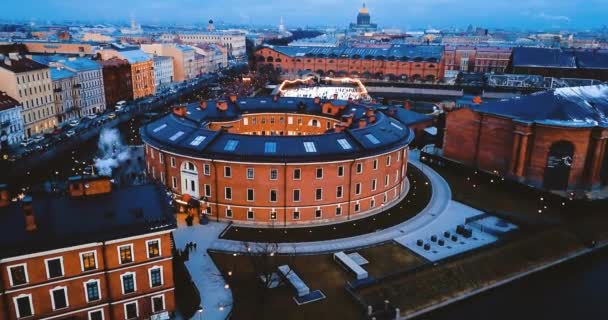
{"x": 542, "y": 57}
{"x": 64, "y": 221}
{"x": 7, "y": 102}
{"x": 21, "y": 65}
{"x": 568, "y": 107}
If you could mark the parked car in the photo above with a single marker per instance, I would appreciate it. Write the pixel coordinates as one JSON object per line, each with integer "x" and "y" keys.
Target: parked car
{"x": 92, "y": 116}
{"x": 26, "y": 142}
{"x": 74, "y": 122}
{"x": 37, "y": 138}
{"x": 70, "y": 133}
{"x": 112, "y": 115}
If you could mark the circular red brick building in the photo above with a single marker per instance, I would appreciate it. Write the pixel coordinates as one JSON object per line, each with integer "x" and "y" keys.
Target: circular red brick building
{"x": 282, "y": 161}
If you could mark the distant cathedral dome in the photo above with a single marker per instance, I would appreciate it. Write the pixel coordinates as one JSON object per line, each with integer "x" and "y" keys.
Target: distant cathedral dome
{"x": 363, "y": 10}
{"x": 210, "y": 21}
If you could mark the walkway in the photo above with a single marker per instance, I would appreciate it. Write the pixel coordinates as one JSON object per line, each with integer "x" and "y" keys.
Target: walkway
{"x": 439, "y": 202}
{"x": 215, "y": 298}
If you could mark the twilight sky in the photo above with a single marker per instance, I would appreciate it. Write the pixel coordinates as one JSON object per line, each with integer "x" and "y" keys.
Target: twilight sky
{"x": 406, "y": 14}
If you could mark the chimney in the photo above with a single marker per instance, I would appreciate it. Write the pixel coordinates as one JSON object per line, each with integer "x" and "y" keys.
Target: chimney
{"x": 233, "y": 98}
{"x": 347, "y": 119}
{"x": 203, "y": 104}
{"x": 369, "y": 112}
{"x": 339, "y": 128}
{"x": 317, "y": 100}
{"x": 362, "y": 123}
{"x": 4, "y": 198}
{"x": 407, "y": 105}
{"x": 28, "y": 211}
{"x": 221, "y": 105}
{"x": 14, "y": 56}
{"x": 372, "y": 118}
{"x": 7, "y": 61}
{"x": 180, "y": 110}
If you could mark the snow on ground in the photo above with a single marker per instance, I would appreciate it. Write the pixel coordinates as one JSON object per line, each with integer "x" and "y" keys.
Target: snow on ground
{"x": 323, "y": 92}
{"x": 455, "y": 215}
{"x": 215, "y": 298}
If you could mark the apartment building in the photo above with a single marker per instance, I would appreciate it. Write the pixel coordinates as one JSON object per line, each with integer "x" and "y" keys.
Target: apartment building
{"x": 11, "y": 122}
{"x": 163, "y": 71}
{"x": 117, "y": 82}
{"x": 233, "y": 41}
{"x": 184, "y": 64}
{"x": 142, "y": 68}
{"x": 29, "y": 82}
{"x": 94, "y": 254}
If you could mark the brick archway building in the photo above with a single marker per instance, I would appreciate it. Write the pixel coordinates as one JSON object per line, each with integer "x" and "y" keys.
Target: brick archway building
{"x": 282, "y": 161}
{"x": 555, "y": 140}
{"x": 400, "y": 62}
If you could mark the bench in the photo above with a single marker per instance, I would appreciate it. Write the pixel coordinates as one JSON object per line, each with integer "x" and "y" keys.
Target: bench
{"x": 297, "y": 283}
{"x": 350, "y": 264}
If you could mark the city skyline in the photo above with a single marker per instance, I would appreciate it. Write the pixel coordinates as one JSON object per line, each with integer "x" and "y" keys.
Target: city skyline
{"x": 536, "y": 14}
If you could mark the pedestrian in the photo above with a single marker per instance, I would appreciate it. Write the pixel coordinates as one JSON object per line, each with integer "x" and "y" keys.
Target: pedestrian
{"x": 194, "y": 246}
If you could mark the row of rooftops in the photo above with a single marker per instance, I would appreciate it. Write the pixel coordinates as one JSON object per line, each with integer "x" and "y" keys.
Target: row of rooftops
{"x": 19, "y": 64}
{"x": 45, "y": 220}
{"x": 402, "y": 52}
{"x": 560, "y": 58}
{"x": 365, "y": 135}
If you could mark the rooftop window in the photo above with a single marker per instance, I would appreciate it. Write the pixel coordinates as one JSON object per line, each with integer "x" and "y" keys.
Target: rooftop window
{"x": 176, "y": 135}
{"x": 231, "y": 145}
{"x": 160, "y": 127}
{"x": 372, "y": 138}
{"x": 344, "y": 144}
{"x": 270, "y": 147}
{"x": 197, "y": 141}
{"x": 396, "y": 126}
{"x": 310, "y": 146}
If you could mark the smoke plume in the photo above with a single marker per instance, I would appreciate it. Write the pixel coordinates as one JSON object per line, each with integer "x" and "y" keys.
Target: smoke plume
{"x": 112, "y": 152}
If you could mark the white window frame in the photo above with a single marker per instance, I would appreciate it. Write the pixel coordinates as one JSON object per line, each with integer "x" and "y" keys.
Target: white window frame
{"x": 375, "y": 164}
{"x": 387, "y": 180}
{"x": 173, "y": 162}
{"x": 207, "y": 186}
{"x": 316, "y": 173}
{"x": 124, "y": 307}
{"x": 86, "y": 292}
{"x": 341, "y": 195}
{"x": 10, "y": 276}
{"x": 96, "y": 310}
{"x": 174, "y": 182}
{"x": 229, "y": 168}
{"x": 358, "y": 187}
{"x": 338, "y": 171}
{"x": 207, "y": 169}
{"x": 299, "y": 195}
{"x": 228, "y": 209}
{"x": 388, "y": 161}
{"x": 248, "y": 170}
{"x": 122, "y": 283}
{"x": 29, "y": 296}
{"x": 162, "y": 276}
{"x": 252, "y": 193}
{"x": 252, "y": 214}
{"x": 160, "y": 250}
{"x": 293, "y": 175}
{"x": 81, "y": 254}
{"x": 46, "y": 266}
{"x": 132, "y": 253}
{"x": 226, "y": 193}
{"x": 65, "y": 292}
{"x": 277, "y": 174}
{"x": 316, "y": 199}
{"x": 374, "y": 184}
{"x": 359, "y": 168}
{"x": 276, "y": 192}
{"x": 152, "y": 303}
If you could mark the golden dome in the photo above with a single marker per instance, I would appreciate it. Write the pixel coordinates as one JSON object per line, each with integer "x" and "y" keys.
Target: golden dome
{"x": 364, "y": 10}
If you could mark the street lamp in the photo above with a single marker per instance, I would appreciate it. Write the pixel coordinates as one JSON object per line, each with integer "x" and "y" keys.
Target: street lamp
{"x": 200, "y": 312}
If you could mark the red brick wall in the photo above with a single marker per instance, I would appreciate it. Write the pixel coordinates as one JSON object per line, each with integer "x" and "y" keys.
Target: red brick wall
{"x": 285, "y": 184}
{"x": 495, "y": 144}
{"x": 352, "y": 66}
{"x": 544, "y": 137}
{"x": 39, "y": 285}
{"x": 462, "y": 131}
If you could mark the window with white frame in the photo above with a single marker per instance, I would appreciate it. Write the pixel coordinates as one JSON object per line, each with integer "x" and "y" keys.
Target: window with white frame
{"x": 23, "y": 305}
{"x": 274, "y": 174}
{"x": 319, "y": 194}
{"x": 153, "y": 248}
{"x": 91, "y": 290}
{"x": 250, "y": 195}
{"x": 297, "y": 174}
{"x": 359, "y": 168}
{"x": 375, "y": 164}
{"x": 341, "y": 171}
{"x": 206, "y": 169}
{"x": 273, "y": 195}
{"x": 250, "y": 173}
{"x": 319, "y": 173}
{"x": 386, "y": 180}
{"x": 173, "y": 163}
{"x": 339, "y": 192}
{"x": 207, "y": 190}
{"x": 156, "y": 276}
{"x": 59, "y": 298}
{"x": 131, "y": 310}
{"x": 174, "y": 182}
{"x": 54, "y": 267}
{"x": 296, "y": 195}
{"x": 388, "y": 160}
{"x": 88, "y": 260}
{"x": 358, "y": 188}
{"x": 18, "y": 275}
{"x": 228, "y": 193}
{"x": 96, "y": 314}
{"x": 227, "y": 172}
{"x": 125, "y": 253}
{"x": 127, "y": 281}
{"x": 250, "y": 214}
{"x": 374, "y": 183}
{"x": 158, "y": 303}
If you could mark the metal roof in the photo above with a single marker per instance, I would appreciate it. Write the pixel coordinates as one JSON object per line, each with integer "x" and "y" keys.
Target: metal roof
{"x": 403, "y": 52}
{"x": 580, "y": 107}
{"x": 390, "y": 132}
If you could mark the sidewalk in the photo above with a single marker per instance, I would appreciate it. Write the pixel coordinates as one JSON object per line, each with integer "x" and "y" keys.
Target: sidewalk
{"x": 215, "y": 298}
